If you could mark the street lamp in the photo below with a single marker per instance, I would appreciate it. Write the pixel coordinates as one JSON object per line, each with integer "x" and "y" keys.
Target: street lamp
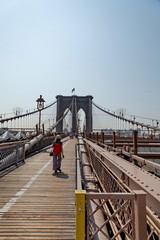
{"x": 40, "y": 105}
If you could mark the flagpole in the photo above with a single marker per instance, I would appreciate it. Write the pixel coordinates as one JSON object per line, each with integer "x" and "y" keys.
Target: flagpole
{"x": 73, "y": 91}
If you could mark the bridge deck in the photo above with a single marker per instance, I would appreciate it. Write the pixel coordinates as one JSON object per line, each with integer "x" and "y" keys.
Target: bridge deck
{"x": 36, "y": 205}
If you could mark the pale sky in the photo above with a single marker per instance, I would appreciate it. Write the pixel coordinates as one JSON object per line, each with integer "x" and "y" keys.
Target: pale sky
{"x": 109, "y": 49}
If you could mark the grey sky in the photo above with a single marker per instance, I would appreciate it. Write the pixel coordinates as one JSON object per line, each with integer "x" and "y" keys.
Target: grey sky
{"x": 106, "y": 48}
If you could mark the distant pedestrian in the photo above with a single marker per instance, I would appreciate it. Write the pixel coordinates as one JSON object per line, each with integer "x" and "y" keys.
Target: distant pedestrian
{"x": 57, "y": 154}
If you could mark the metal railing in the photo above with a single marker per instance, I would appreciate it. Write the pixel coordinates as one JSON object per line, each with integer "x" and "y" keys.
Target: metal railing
{"x": 153, "y": 227}
{"x": 109, "y": 182}
{"x": 14, "y": 152}
{"x": 128, "y": 152}
{"x": 11, "y": 154}
{"x": 117, "y": 214}
{"x": 44, "y": 142}
{"x": 123, "y": 221}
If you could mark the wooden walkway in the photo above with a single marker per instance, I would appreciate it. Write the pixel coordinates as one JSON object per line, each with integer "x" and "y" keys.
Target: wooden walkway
{"x": 34, "y": 204}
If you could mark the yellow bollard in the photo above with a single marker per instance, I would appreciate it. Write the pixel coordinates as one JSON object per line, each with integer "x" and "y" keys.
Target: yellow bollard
{"x": 80, "y": 214}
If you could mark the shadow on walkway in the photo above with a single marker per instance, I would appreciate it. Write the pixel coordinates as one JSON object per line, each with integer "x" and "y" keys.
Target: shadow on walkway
{"x": 61, "y": 175}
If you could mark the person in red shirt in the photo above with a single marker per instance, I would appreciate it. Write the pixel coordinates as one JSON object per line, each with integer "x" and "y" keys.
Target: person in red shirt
{"x": 57, "y": 154}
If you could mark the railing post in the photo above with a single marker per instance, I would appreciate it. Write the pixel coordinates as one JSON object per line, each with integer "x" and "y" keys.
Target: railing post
{"x": 37, "y": 130}
{"x": 114, "y": 139}
{"x": 151, "y": 136}
{"x": 93, "y": 136}
{"x": 23, "y": 147}
{"x": 102, "y": 137}
{"x": 17, "y": 153}
{"x": 43, "y": 128}
{"x": 97, "y": 136}
{"x": 135, "y": 142}
{"x": 80, "y": 214}
{"x": 88, "y": 135}
{"x": 140, "y": 215}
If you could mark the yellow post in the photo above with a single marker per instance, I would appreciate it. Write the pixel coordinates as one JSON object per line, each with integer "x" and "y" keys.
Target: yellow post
{"x": 80, "y": 214}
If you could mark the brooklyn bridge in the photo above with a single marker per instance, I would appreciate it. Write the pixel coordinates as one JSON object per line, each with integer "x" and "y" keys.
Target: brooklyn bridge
{"x": 109, "y": 187}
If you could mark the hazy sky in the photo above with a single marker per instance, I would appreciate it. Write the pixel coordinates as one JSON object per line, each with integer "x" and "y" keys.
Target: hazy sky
{"x": 109, "y": 49}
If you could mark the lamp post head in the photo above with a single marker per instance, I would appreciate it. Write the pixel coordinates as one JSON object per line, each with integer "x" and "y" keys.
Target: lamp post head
{"x": 40, "y": 103}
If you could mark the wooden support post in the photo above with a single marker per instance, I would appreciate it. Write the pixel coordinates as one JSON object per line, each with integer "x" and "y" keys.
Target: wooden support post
{"x": 114, "y": 139}
{"x": 80, "y": 214}
{"x": 17, "y": 153}
{"x": 135, "y": 142}
{"x": 43, "y": 128}
{"x": 37, "y": 129}
{"x": 102, "y": 137}
{"x": 97, "y": 136}
{"x": 23, "y": 147}
{"x": 151, "y": 134}
{"x": 93, "y": 136}
{"x": 140, "y": 215}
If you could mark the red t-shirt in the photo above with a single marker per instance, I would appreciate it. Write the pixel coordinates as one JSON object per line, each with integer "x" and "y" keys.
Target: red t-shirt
{"x": 57, "y": 147}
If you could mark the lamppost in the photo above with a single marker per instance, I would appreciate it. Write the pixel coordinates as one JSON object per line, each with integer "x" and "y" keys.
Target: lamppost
{"x": 40, "y": 105}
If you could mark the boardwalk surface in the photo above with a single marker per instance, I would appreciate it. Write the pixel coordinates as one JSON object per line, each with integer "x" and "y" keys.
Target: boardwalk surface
{"x": 36, "y": 205}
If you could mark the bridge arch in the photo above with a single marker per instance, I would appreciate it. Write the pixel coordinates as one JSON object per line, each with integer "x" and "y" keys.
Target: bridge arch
{"x": 81, "y": 119}
{"x": 78, "y": 102}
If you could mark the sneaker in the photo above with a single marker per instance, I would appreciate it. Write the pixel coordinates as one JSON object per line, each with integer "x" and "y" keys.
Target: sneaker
{"x": 59, "y": 169}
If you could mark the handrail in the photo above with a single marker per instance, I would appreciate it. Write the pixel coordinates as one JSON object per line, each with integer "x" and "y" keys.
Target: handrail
{"x": 132, "y": 156}
{"x": 100, "y": 155}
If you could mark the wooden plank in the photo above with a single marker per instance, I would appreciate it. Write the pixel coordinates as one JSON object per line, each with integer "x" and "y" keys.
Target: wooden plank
{"x": 41, "y": 206}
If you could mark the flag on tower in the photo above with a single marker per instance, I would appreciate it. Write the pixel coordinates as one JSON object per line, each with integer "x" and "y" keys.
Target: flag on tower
{"x": 73, "y": 90}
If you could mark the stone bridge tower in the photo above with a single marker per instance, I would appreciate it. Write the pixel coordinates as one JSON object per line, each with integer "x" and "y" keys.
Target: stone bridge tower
{"x": 79, "y": 102}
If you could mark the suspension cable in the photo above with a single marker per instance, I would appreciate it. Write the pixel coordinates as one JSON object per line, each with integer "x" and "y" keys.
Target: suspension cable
{"x": 127, "y": 120}
{"x": 26, "y": 114}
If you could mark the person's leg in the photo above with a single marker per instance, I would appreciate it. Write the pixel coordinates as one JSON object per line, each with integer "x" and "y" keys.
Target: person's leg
{"x": 59, "y": 160}
{"x": 55, "y": 162}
